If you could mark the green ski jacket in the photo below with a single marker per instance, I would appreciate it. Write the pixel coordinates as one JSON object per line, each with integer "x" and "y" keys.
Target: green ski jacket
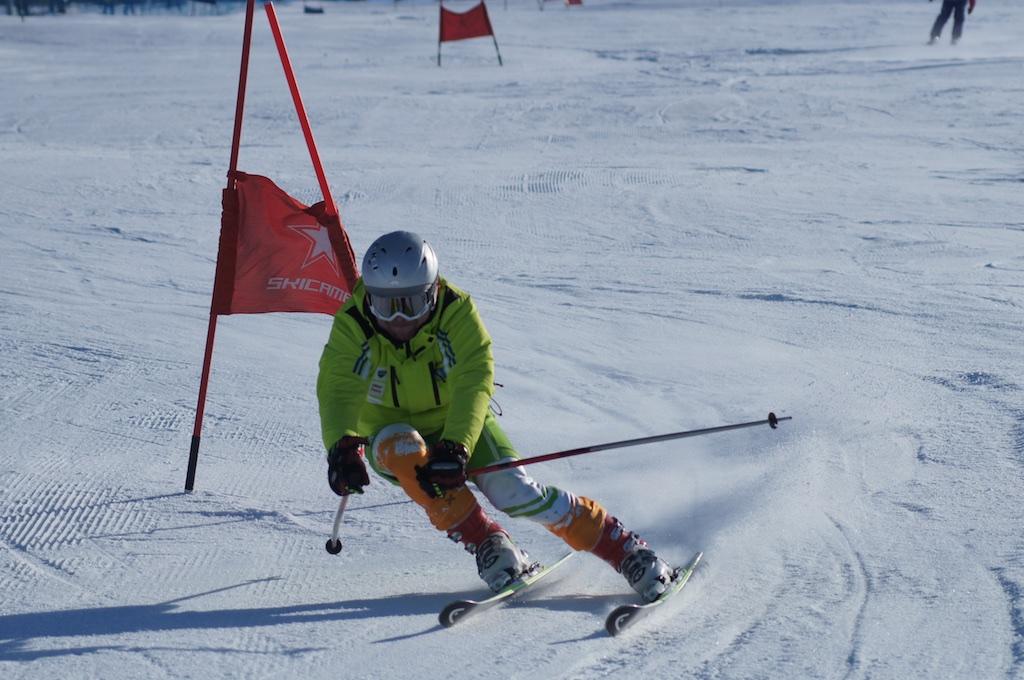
{"x": 440, "y": 381}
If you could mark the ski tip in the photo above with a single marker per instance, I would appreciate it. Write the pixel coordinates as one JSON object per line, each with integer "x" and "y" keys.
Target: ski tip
{"x": 620, "y": 619}
{"x": 454, "y": 612}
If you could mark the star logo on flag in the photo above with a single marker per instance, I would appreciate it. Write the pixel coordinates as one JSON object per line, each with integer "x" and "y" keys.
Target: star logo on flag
{"x": 319, "y": 245}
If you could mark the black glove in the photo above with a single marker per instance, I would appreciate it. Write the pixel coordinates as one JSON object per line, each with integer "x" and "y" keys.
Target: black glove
{"x": 346, "y": 471}
{"x": 445, "y": 469}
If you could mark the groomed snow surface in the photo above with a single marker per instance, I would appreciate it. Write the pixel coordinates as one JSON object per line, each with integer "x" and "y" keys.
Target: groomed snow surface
{"x": 671, "y": 214}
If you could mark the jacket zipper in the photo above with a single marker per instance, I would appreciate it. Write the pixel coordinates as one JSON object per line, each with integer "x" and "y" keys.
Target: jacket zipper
{"x": 433, "y": 382}
{"x": 394, "y": 386}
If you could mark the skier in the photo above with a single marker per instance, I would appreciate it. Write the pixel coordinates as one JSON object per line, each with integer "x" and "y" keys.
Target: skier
{"x": 956, "y": 8}
{"x": 405, "y": 382}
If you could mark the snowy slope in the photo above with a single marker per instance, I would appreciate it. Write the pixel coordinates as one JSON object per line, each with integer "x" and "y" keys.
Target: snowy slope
{"x": 672, "y": 215}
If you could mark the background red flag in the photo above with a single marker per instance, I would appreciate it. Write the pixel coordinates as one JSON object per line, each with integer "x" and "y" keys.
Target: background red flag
{"x": 278, "y": 255}
{"x": 473, "y": 23}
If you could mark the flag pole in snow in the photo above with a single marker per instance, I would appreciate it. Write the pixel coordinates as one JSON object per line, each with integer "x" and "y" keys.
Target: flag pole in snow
{"x": 229, "y": 199}
{"x": 772, "y": 421}
{"x": 495, "y": 39}
{"x": 255, "y": 213}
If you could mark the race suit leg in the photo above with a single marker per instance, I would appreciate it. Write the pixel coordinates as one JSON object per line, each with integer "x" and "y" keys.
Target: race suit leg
{"x": 395, "y": 452}
{"x": 577, "y": 520}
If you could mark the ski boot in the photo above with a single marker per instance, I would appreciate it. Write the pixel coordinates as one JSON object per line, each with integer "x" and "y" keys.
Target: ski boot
{"x": 646, "y": 573}
{"x": 500, "y": 562}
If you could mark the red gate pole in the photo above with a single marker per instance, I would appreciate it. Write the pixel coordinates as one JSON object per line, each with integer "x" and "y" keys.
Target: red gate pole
{"x": 286, "y": 63}
{"x": 211, "y": 331}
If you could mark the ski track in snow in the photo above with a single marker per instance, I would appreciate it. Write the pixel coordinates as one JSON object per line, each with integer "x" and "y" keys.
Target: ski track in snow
{"x": 671, "y": 214}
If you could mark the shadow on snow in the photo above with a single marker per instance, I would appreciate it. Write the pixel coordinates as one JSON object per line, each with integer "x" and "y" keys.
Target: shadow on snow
{"x": 17, "y": 630}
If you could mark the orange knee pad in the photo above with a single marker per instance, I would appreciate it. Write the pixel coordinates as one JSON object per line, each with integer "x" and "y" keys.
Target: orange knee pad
{"x": 581, "y": 528}
{"x": 399, "y": 449}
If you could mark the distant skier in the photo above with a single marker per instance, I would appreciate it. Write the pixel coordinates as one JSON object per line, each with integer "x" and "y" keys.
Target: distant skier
{"x": 405, "y": 380}
{"x": 956, "y": 8}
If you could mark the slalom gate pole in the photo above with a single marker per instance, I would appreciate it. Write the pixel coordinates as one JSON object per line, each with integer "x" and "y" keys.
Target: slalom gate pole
{"x": 243, "y": 76}
{"x": 772, "y": 421}
{"x": 496, "y": 46}
{"x": 334, "y": 542}
{"x": 307, "y": 132}
{"x": 211, "y": 330}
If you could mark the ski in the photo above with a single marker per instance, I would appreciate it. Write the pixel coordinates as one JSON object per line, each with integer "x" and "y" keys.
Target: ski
{"x": 460, "y": 610}
{"x": 626, "y": 615}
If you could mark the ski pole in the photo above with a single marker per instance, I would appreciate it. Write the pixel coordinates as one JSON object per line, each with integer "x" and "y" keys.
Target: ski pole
{"x": 334, "y": 543}
{"x": 772, "y": 421}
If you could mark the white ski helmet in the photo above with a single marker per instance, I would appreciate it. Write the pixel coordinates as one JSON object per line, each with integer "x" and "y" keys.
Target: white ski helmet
{"x": 401, "y": 276}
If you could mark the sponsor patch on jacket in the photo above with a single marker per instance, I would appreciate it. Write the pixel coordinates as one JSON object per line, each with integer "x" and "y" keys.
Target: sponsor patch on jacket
{"x": 375, "y": 395}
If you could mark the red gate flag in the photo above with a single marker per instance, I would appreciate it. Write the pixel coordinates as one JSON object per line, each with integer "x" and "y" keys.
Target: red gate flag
{"x": 278, "y": 255}
{"x": 473, "y": 23}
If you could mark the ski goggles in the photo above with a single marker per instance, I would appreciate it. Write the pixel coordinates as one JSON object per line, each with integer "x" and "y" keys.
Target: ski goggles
{"x": 408, "y": 307}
